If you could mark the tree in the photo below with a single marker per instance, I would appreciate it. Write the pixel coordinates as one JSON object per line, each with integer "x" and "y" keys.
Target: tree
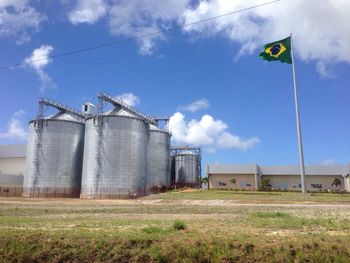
{"x": 233, "y": 181}
{"x": 205, "y": 181}
{"x": 336, "y": 182}
{"x": 265, "y": 184}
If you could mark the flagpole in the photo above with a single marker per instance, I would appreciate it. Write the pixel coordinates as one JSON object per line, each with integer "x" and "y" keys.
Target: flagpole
{"x": 300, "y": 143}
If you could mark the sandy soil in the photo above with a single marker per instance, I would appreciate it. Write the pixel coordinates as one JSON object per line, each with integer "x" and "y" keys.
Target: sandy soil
{"x": 89, "y": 202}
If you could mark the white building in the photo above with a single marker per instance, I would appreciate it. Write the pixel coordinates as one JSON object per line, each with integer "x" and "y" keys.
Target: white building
{"x": 251, "y": 176}
{"x": 12, "y": 167}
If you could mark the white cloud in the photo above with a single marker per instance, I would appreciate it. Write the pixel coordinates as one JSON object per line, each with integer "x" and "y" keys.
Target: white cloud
{"x": 324, "y": 69}
{"x": 15, "y": 129}
{"x": 18, "y": 20}
{"x": 131, "y": 18}
{"x": 19, "y": 113}
{"x": 210, "y": 150}
{"x": 207, "y": 132}
{"x": 228, "y": 140}
{"x": 87, "y": 11}
{"x": 136, "y": 18}
{"x": 38, "y": 62}
{"x": 196, "y": 105}
{"x": 129, "y": 98}
{"x": 321, "y": 31}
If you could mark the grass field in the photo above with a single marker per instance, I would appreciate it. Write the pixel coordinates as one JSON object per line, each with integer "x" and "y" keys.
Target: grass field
{"x": 208, "y": 226}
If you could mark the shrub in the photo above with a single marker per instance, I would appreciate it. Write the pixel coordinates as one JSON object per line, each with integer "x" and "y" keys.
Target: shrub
{"x": 265, "y": 184}
{"x": 336, "y": 182}
{"x": 233, "y": 181}
{"x": 179, "y": 225}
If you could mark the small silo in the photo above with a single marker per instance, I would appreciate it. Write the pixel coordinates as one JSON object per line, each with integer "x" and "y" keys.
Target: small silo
{"x": 54, "y": 153}
{"x": 186, "y": 164}
{"x": 158, "y": 159}
{"x": 115, "y": 154}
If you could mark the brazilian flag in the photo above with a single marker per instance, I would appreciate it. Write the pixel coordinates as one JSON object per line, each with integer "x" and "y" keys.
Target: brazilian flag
{"x": 279, "y": 50}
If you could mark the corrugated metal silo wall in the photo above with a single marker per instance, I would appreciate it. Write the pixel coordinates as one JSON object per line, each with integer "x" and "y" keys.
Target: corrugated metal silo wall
{"x": 89, "y": 176}
{"x": 158, "y": 159}
{"x": 123, "y": 164}
{"x": 186, "y": 170}
{"x": 54, "y": 162}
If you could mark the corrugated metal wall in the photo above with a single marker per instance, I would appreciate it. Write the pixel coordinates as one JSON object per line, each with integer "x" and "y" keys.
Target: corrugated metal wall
{"x": 123, "y": 162}
{"x": 54, "y": 162}
{"x": 186, "y": 170}
{"x": 158, "y": 159}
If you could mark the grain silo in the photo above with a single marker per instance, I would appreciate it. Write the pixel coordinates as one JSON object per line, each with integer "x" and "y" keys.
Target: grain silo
{"x": 54, "y": 153}
{"x": 186, "y": 166}
{"x": 158, "y": 159}
{"x": 115, "y": 154}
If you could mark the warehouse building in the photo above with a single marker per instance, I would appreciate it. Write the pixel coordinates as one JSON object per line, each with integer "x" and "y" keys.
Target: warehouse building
{"x": 12, "y": 168}
{"x": 254, "y": 177}
{"x": 233, "y": 176}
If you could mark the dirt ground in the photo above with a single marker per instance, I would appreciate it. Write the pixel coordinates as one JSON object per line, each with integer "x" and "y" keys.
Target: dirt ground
{"x": 186, "y": 202}
{"x": 143, "y": 230}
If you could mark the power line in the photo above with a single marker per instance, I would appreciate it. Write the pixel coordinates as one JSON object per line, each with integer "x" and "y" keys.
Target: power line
{"x": 68, "y": 53}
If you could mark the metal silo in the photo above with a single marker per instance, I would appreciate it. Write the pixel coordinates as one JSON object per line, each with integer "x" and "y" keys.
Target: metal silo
{"x": 158, "y": 159}
{"x": 54, "y": 153}
{"x": 115, "y": 154}
{"x": 187, "y": 166}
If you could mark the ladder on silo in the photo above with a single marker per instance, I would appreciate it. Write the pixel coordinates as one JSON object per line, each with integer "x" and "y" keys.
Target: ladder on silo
{"x": 38, "y": 126}
{"x": 98, "y": 157}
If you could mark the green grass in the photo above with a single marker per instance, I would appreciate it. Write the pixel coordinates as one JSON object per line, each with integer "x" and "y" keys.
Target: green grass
{"x": 282, "y": 220}
{"x": 155, "y": 230}
{"x": 137, "y": 231}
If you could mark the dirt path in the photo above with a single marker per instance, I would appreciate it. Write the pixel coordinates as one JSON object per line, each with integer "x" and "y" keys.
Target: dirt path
{"x": 184, "y": 202}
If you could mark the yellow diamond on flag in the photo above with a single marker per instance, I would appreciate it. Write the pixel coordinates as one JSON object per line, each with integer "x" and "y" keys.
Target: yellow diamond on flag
{"x": 276, "y": 50}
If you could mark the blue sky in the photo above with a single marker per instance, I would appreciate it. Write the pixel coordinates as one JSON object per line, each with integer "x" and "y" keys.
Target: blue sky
{"x": 246, "y": 111}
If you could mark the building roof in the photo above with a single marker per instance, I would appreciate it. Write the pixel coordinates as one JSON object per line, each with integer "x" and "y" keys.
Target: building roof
{"x": 340, "y": 169}
{"x": 309, "y": 170}
{"x": 232, "y": 168}
{"x": 13, "y": 150}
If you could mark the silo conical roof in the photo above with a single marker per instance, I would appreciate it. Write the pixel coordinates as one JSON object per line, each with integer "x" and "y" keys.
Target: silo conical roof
{"x": 154, "y": 128}
{"x": 123, "y": 112}
{"x": 63, "y": 116}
